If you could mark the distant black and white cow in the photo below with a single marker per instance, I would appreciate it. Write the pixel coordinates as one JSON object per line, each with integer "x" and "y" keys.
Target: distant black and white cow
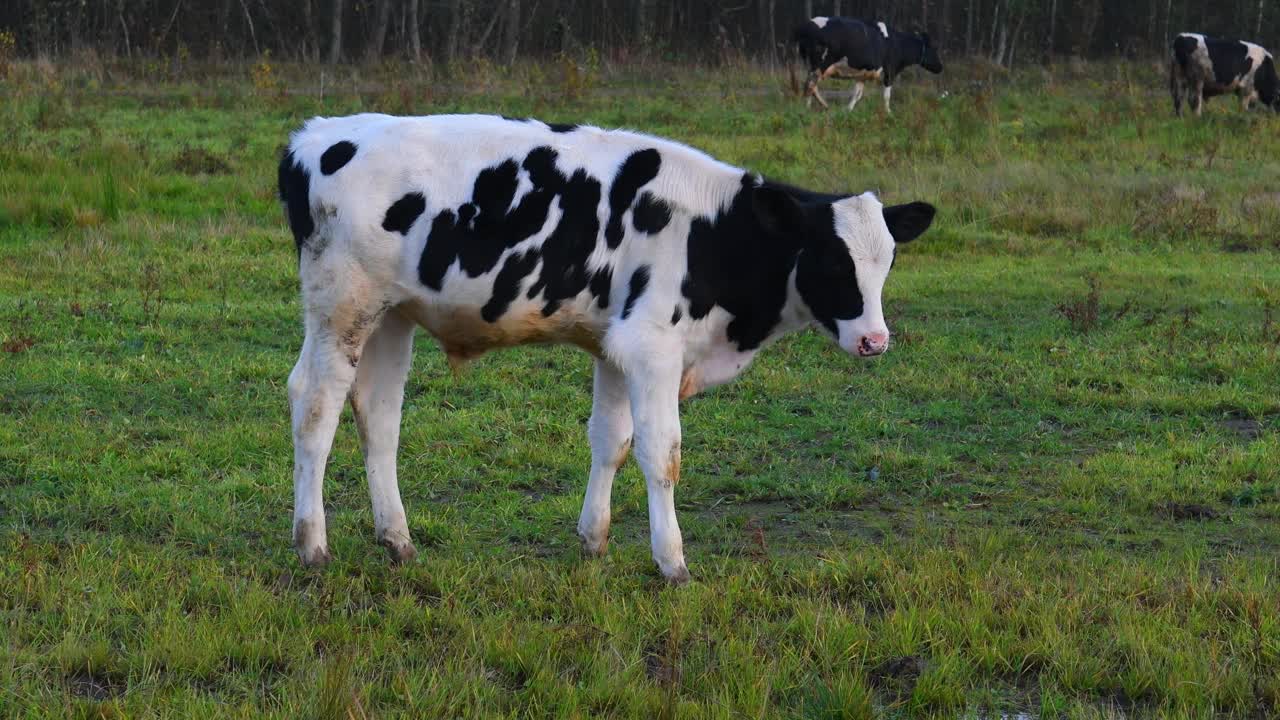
{"x": 671, "y": 268}
{"x": 845, "y": 47}
{"x": 1202, "y": 67}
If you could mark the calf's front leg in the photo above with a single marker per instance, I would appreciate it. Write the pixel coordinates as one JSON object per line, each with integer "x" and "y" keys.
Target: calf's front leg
{"x": 610, "y": 432}
{"x": 654, "y": 388}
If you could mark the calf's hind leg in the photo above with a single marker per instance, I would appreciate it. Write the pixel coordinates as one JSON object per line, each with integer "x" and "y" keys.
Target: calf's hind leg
{"x": 318, "y": 386}
{"x": 377, "y": 398}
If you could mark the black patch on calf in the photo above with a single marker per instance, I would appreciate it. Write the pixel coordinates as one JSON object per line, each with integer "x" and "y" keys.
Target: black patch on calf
{"x": 601, "y": 284}
{"x": 562, "y": 127}
{"x": 650, "y": 214}
{"x": 480, "y": 231}
{"x": 338, "y": 154}
{"x": 635, "y": 288}
{"x": 639, "y": 168}
{"x": 737, "y": 264}
{"x": 675, "y": 316}
{"x": 506, "y": 286}
{"x": 514, "y": 119}
{"x": 566, "y": 249}
{"x": 825, "y": 274}
{"x": 403, "y": 212}
{"x": 295, "y": 191}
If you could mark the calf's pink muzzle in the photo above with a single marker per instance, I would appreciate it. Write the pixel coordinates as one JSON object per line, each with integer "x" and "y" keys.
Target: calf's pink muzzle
{"x": 872, "y": 343}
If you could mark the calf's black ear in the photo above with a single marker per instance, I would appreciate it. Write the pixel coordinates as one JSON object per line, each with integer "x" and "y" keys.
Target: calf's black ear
{"x": 776, "y": 211}
{"x": 908, "y": 222}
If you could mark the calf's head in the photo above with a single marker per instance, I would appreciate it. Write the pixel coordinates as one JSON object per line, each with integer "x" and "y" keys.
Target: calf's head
{"x": 847, "y": 248}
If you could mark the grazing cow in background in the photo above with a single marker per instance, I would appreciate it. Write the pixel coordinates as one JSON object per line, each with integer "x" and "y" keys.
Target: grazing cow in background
{"x": 1202, "y": 67}
{"x": 671, "y": 268}
{"x": 844, "y": 47}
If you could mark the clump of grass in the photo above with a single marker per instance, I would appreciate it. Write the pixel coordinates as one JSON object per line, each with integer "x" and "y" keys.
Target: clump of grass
{"x": 1180, "y": 213}
{"x": 151, "y": 291}
{"x": 579, "y": 75}
{"x": 8, "y": 51}
{"x": 198, "y": 161}
{"x": 110, "y": 198}
{"x": 339, "y": 697}
{"x": 1083, "y": 313}
{"x": 52, "y": 111}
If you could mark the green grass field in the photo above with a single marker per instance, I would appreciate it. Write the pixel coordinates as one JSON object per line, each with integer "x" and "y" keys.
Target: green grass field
{"x": 1058, "y": 495}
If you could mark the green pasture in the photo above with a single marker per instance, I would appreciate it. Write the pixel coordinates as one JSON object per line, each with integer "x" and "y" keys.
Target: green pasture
{"x": 1057, "y": 495}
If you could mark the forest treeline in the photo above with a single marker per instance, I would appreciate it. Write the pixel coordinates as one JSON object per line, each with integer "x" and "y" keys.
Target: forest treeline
{"x": 331, "y": 31}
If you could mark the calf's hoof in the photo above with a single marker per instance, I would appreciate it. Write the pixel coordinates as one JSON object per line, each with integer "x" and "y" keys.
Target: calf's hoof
{"x": 402, "y": 552}
{"x": 594, "y": 547}
{"x": 314, "y": 557}
{"x": 309, "y": 543}
{"x": 678, "y": 576}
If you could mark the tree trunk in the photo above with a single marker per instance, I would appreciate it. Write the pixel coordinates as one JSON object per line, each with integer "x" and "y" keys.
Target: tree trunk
{"x": 772, "y": 34}
{"x": 644, "y": 13}
{"x": 995, "y": 26}
{"x": 455, "y": 29}
{"x": 1257, "y": 28}
{"x": 379, "y": 40}
{"x": 835, "y": 8}
{"x": 808, "y": 9}
{"x": 511, "y": 34}
{"x": 335, "y": 34}
{"x": 968, "y": 27}
{"x": 764, "y": 22}
{"x": 1053, "y": 23}
{"x": 944, "y": 25}
{"x": 415, "y": 33}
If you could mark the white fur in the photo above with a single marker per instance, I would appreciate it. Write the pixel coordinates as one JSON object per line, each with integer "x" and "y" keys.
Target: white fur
{"x": 884, "y": 29}
{"x": 819, "y": 21}
{"x": 860, "y": 220}
{"x": 352, "y": 268}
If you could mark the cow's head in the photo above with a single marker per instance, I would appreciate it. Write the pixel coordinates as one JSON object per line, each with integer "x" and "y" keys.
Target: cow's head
{"x": 847, "y": 250}
{"x": 929, "y": 59}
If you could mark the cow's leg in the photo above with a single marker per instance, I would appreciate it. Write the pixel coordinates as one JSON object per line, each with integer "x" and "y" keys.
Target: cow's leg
{"x": 1175, "y": 88}
{"x": 888, "y": 90}
{"x": 857, "y": 95}
{"x": 653, "y": 383}
{"x": 318, "y": 385}
{"x": 376, "y": 400}
{"x": 811, "y": 89}
{"x": 610, "y": 432}
{"x": 1197, "y": 98}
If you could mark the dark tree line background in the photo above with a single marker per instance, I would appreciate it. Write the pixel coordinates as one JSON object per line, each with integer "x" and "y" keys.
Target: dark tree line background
{"x": 1005, "y": 31}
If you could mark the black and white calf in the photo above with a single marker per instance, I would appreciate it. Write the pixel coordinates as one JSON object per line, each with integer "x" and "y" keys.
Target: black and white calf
{"x": 671, "y": 268}
{"x": 845, "y": 47}
{"x": 1202, "y": 67}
